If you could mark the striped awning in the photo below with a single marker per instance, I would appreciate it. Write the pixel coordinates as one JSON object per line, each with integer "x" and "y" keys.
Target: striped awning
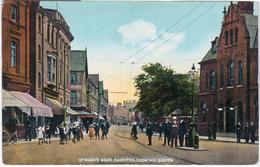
{"x": 9, "y": 100}
{"x": 55, "y": 105}
{"x": 38, "y": 108}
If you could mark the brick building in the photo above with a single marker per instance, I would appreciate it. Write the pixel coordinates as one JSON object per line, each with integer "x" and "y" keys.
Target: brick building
{"x": 16, "y": 45}
{"x": 228, "y": 73}
{"x": 50, "y": 59}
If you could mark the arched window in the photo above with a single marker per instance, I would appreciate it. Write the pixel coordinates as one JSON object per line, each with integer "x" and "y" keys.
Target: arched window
{"x": 230, "y": 73}
{"x": 212, "y": 80}
{"x": 39, "y": 23}
{"x": 231, "y": 37}
{"x": 236, "y": 35}
{"x": 39, "y": 80}
{"x": 207, "y": 82}
{"x": 226, "y": 38}
{"x": 203, "y": 111}
{"x": 39, "y": 52}
{"x": 240, "y": 72}
{"x": 221, "y": 75}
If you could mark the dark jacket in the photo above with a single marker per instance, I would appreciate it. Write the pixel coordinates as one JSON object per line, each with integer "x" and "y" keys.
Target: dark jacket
{"x": 238, "y": 129}
{"x": 149, "y": 130}
{"x": 167, "y": 128}
{"x": 174, "y": 130}
{"x": 134, "y": 130}
{"x": 182, "y": 129}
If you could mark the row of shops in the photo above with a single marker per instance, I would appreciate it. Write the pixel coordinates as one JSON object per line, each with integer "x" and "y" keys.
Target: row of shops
{"x": 19, "y": 106}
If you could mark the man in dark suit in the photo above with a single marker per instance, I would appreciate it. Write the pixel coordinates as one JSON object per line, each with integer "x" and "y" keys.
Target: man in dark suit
{"x": 149, "y": 133}
{"x": 166, "y": 130}
{"x": 182, "y": 131}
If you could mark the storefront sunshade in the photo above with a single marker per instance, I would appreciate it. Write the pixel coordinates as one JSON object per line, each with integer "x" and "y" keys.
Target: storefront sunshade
{"x": 71, "y": 112}
{"x": 11, "y": 101}
{"x": 55, "y": 105}
{"x": 38, "y": 108}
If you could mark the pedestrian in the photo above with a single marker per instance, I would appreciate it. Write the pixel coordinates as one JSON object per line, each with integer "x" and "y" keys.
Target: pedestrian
{"x": 104, "y": 131}
{"x": 149, "y": 133}
{"x": 107, "y": 126}
{"x": 91, "y": 132}
{"x": 97, "y": 131}
{"x": 160, "y": 128}
{"x": 209, "y": 131}
{"x": 252, "y": 130}
{"x": 57, "y": 132}
{"x": 65, "y": 129}
{"x": 182, "y": 131}
{"x": 13, "y": 127}
{"x": 174, "y": 132}
{"x": 70, "y": 131}
{"x": 44, "y": 134}
{"x": 238, "y": 132}
{"x": 62, "y": 135}
{"x": 78, "y": 133}
{"x": 134, "y": 132}
{"x": 247, "y": 131}
{"x": 74, "y": 131}
{"x": 166, "y": 130}
{"x": 48, "y": 134}
{"x": 214, "y": 130}
{"x": 28, "y": 128}
{"x": 40, "y": 131}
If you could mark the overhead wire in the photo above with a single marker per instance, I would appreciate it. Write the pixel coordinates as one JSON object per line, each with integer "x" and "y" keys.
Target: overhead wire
{"x": 162, "y": 33}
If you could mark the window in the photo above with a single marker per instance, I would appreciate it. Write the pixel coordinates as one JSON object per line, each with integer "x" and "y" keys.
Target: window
{"x": 13, "y": 53}
{"x": 73, "y": 78}
{"x": 48, "y": 32}
{"x": 39, "y": 80}
{"x": 221, "y": 75}
{"x": 240, "y": 72}
{"x": 14, "y": 13}
{"x": 226, "y": 38}
{"x": 52, "y": 35}
{"x": 203, "y": 110}
{"x": 231, "y": 37}
{"x": 230, "y": 73}
{"x": 212, "y": 80}
{"x": 39, "y": 52}
{"x": 73, "y": 97}
{"x": 207, "y": 85}
{"x": 39, "y": 23}
{"x": 51, "y": 68}
{"x": 236, "y": 35}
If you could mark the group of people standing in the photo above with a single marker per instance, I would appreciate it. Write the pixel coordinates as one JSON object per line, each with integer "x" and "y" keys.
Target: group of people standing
{"x": 249, "y": 132}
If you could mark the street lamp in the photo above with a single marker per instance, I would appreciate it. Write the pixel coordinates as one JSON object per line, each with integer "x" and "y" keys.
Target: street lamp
{"x": 192, "y": 109}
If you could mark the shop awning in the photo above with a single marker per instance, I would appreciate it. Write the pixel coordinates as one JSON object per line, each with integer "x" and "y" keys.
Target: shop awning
{"x": 100, "y": 116}
{"x": 38, "y": 108}
{"x": 9, "y": 100}
{"x": 55, "y": 105}
{"x": 71, "y": 112}
{"x": 85, "y": 114}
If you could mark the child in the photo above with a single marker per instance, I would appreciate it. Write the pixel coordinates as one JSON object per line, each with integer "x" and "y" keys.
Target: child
{"x": 40, "y": 134}
{"x": 91, "y": 132}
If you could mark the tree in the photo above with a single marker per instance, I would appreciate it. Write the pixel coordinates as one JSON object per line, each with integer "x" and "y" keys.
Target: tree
{"x": 161, "y": 91}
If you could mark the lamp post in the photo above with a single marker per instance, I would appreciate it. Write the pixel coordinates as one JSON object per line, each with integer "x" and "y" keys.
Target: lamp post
{"x": 192, "y": 109}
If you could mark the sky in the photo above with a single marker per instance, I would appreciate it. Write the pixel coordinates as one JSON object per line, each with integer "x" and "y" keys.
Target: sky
{"x": 121, "y": 37}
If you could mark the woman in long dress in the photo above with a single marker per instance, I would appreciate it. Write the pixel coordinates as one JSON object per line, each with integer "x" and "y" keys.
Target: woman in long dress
{"x": 40, "y": 131}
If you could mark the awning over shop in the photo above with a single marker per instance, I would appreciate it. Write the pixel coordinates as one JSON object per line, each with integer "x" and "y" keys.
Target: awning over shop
{"x": 85, "y": 114}
{"x": 71, "y": 112}
{"x": 100, "y": 116}
{"x": 9, "y": 100}
{"x": 55, "y": 105}
{"x": 38, "y": 108}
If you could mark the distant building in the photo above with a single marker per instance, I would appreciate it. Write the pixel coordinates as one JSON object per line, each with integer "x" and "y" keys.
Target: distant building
{"x": 229, "y": 71}
{"x": 93, "y": 82}
{"x": 121, "y": 115}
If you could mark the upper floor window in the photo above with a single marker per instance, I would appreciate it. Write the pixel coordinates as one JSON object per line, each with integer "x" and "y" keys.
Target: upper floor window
{"x": 221, "y": 75}
{"x": 212, "y": 80}
{"x": 48, "y": 32}
{"x": 39, "y": 52}
{"x": 73, "y": 78}
{"x": 39, "y": 80}
{"x": 52, "y": 36}
{"x": 73, "y": 97}
{"x": 207, "y": 84}
{"x": 236, "y": 35}
{"x": 226, "y": 38}
{"x": 203, "y": 110}
{"x": 14, "y": 13}
{"x": 39, "y": 23}
{"x": 230, "y": 73}
{"x": 231, "y": 37}
{"x": 13, "y": 53}
{"x": 240, "y": 72}
{"x": 51, "y": 68}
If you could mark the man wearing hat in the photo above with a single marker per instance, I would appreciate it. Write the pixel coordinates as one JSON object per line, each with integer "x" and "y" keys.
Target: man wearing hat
{"x": 174, "y": 131}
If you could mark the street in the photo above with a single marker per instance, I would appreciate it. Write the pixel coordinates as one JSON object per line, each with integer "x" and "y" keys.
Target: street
{"x": 119, "y": 149}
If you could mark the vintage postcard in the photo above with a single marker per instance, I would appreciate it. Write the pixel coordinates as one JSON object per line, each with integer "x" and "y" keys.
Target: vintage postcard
{"x": 129, "y": 82}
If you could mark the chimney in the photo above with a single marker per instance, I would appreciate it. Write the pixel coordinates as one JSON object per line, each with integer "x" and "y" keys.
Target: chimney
{"x": 246, "y": 7}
